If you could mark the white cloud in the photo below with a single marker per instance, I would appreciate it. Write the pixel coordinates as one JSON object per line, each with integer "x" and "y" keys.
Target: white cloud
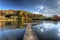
{"x": 48, "y": 11}
{"x": 37, "y": 13}
{"x": 39, "y": 8}
{"x": 58, "y": 3}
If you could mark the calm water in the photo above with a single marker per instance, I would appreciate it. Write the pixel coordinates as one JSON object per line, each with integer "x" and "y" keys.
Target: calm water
{"x": 11, "y": 31}
{"x": 16, "y": 34}
{"x": 48, "y": 30}
{"x": 6, "y": 25}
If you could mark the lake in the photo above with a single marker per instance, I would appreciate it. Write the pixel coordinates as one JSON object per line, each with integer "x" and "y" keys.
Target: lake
{"x": 45, "y": 30}
{"x": 48, "y": 30}
{"x": 11, "y": 31}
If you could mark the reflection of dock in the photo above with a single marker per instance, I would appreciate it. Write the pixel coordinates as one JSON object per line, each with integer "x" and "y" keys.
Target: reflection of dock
{"x": 30, "y": 35}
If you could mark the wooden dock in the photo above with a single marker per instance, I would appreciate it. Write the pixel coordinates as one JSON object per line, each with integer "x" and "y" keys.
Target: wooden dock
{"x": 30, "y": 34}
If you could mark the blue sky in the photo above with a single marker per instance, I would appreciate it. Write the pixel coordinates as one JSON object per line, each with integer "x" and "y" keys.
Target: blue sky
{"x": 35, "y": 6}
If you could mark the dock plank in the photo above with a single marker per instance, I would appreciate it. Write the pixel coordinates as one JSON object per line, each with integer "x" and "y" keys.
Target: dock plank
{"x": 30, "y": 35}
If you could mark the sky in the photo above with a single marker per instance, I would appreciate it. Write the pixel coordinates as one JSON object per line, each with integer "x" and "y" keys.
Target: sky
{"x": 45, "y": 7}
